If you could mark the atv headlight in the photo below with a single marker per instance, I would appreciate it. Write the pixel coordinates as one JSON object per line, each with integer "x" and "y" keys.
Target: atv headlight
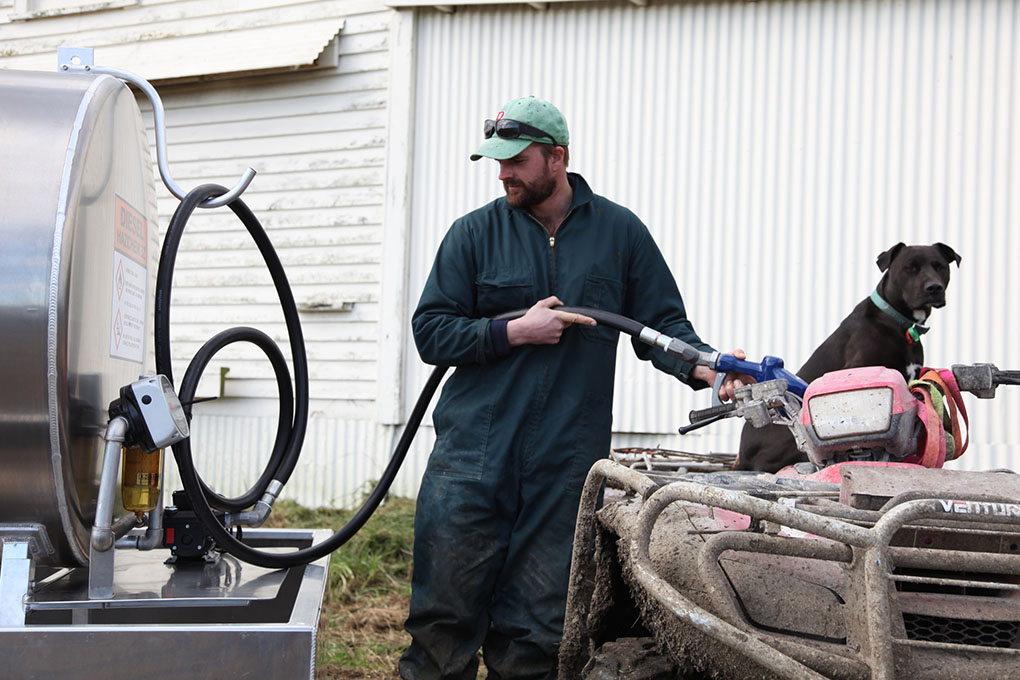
{"x": 866, "y": 410}
{"x": 847, "y": 414}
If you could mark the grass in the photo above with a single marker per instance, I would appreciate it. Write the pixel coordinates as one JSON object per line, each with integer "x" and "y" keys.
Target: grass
{"x": 361, "y": 627}
{"x": 361, "y": 631}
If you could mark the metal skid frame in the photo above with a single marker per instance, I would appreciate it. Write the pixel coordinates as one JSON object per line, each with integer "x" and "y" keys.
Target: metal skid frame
{"x": 164, "y": 620}
{"x": 865, "y": 550}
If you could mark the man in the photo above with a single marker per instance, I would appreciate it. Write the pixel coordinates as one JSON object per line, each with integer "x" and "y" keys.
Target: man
{"x": 528, "y": 409}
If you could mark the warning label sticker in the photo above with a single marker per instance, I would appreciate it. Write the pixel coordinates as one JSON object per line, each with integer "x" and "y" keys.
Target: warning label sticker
{"x": 127, "y": 318}
{"x": 131, "y": 237}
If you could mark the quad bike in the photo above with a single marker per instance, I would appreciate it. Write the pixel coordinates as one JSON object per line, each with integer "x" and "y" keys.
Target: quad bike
{"x": 868, "y": 560}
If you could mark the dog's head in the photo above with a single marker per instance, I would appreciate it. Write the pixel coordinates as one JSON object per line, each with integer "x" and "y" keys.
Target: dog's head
{"x": 917, "y": 276}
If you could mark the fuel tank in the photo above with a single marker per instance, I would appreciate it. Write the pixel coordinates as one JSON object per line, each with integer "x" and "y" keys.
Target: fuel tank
{"x": 77, "y": 276}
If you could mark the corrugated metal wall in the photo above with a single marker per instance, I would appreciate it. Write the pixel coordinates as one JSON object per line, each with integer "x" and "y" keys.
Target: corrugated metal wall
{"x": 774, "y": 149}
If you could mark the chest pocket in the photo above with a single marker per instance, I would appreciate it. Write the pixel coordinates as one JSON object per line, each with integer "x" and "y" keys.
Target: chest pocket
{"x": 606, "y": 295}
{"x": 505, "y": 290}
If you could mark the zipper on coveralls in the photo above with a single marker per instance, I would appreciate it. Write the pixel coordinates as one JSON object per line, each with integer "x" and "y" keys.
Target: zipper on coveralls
{"x": 552, "y": 248}
{"x": 552, "y": 258}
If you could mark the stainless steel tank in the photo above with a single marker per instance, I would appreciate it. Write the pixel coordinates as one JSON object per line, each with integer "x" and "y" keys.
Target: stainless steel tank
{"x": 77, "y": 273}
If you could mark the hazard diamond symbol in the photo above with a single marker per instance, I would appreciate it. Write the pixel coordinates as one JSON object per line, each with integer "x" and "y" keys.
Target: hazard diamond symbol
{"x": 118, "y": 329}
{"x": 120, "y": 279}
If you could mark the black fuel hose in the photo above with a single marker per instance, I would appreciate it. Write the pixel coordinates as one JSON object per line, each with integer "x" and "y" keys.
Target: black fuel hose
{"x": 226, "y": 541}
{"x": 293, "y": 420}
{"x": 284, "y": 427}
{"x": 292, "y": 423}
{"x": 615, "y": 321}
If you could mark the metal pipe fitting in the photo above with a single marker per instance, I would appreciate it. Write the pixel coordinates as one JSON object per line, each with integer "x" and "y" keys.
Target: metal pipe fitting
{"x": 159, "y": 125}
{"x": 258, "y": 515}
{"x": 153, "y": 537}
{"x": 103, "y": 536}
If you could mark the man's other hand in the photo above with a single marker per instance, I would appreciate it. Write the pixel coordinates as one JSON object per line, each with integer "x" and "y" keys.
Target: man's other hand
{"x": 543, "y": 324}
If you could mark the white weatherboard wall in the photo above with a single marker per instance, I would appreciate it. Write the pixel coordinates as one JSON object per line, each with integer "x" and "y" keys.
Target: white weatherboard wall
{"x": 774, "y": 149}
{"x": 318, "y": 141}
{"x": 301, "y": 91}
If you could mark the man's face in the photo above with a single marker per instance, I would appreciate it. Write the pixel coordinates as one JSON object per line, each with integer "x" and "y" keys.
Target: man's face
{"x": 527, "y": 178}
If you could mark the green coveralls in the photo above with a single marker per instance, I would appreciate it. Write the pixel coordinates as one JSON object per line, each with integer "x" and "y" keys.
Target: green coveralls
{"x": 516, "y": 434}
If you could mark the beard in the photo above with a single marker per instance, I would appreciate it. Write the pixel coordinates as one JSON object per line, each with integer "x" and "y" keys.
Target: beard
{"x": 530, "y": 194}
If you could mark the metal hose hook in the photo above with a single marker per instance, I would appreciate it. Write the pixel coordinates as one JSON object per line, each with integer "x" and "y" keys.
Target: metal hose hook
{"x": 75, "y": 59}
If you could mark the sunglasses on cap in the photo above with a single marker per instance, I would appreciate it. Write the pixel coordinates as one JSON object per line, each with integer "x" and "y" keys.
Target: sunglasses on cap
{"x": 505, "y": 128}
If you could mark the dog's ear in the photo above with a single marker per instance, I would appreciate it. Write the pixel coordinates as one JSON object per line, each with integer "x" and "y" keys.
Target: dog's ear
{"x": 886, "y": 258}
{"x": 948, "y": 253}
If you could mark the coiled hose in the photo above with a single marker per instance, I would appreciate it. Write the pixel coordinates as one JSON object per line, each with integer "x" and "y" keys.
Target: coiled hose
{"x": 291, "y": 425}
{"x": 293, "y": 411}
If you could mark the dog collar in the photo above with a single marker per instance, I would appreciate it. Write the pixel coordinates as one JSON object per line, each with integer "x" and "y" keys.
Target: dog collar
{"x": 914, "y": 330}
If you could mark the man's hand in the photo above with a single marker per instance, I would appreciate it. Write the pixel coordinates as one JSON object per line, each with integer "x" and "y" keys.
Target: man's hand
{"x": 731, "y": 384}
{"x": 543, "y": 325}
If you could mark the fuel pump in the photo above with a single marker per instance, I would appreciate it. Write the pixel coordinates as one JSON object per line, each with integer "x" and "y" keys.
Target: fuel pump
{"x": 86, "y": 589}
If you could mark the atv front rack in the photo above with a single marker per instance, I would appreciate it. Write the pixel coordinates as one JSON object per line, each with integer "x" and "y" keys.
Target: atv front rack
{"x": 895, "y": 584}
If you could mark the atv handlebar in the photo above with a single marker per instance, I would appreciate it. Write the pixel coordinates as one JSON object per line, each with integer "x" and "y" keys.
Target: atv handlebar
{"x": 761, "y": 403}
{"x": 706, "y": 416}
{"x": 982, "y": 379}
{"x": 712, "y": 412}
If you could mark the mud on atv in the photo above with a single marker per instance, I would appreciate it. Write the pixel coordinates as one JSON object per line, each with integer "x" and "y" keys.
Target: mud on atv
{"x": 868, "y": 562}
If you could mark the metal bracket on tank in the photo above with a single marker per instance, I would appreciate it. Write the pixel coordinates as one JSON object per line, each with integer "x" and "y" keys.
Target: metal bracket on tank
{"x": 15, "y": 579}
{"x": 80, "y": 60}
{"x": 20, "y": 546}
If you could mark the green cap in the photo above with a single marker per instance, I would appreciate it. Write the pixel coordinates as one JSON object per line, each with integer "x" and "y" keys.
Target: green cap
{"x": 532, "y": 111}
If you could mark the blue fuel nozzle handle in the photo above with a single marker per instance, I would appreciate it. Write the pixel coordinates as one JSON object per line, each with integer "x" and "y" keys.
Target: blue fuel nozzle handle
{"x": 770, "y": 368}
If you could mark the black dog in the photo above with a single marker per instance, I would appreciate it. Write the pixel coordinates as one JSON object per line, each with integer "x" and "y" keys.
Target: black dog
{"x": 883, "y": 330}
